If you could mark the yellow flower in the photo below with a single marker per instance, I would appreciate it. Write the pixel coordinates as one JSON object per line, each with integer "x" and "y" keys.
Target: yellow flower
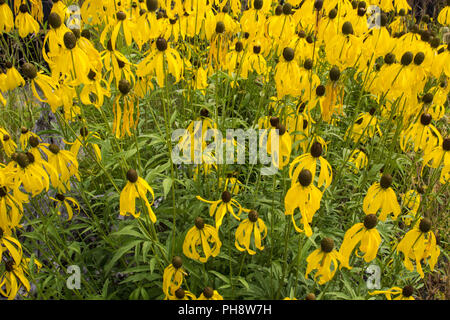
{"x": 253, "y": 225}
{"x": 35, "y": 150}
{"x": 29, "y": 173}
{"x": 25, "y": 135}
{"x": 419, "y": 244}
{"x": 11, "y": 203}
{"x": 232, "y": 182}
{"x": 287, "y": 74}
{"x": 85, "y": 138}
{"x": 13, "y": 278}
{"x": 365, "y": 127}
{"x": 364, "y": 233}
{"x": 381, "y": 196}
{"x": 411, "y": 200}
{"x": 202, "y": 235}
{"x": 160, "y": 61}
{"x": 46, "y": 84}
{"x": 181, "y": 294}
{"x": 10, "y": 245}
{"x": 125, "y": 122}
{"x": 173, "y": 276}
{"x": 444, "y": 15}
{"x": 222, "y": 206}
{"x": 305, "y": 196}
{"x": 309, "y": 161}
{"x": 136, "y": 187}
{"x": 25, "y": 23}
{"x": 13, "y": 77}
{"x": 65, "y": 164}
{"x": 6, "y": 18}
{"x": 210, "y": 294}
{"x": 422, "y": 135}
{"x": 359, "y": 159}
{"x": 94, "y": 90}
{"x": 9, "y": 146}
{"x": 62, "y": 199}
{"x": 438, "y": 155}
{"x": 402, "y": 294}
{"x": 325, "y": 260}
{"x": 281, "y": 155}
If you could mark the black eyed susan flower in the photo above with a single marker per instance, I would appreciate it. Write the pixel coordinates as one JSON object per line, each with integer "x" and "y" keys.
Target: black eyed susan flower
{"x": 419, "y": 244}
{"x": 220, "y": 207}
{"x": 325, "y": 260}
{"x": 25, "y": 22}
{"x": 204, "y": 236}
{"x": 173, "y": 276}
{"x": 309, "y": 161}
{"x": 254, "y": 60}
{"x": 364, "y": 233}
{"x": 252, "y": 225}
{"x": 54, "y": 38}
{"x": 61, "y": 200}
{"x": 380, "y": 196}
{"x": 305, "y": 196}
{"x": 12, "y": 279}
{"x": 136, "y": 187}
{"x": 210, "y": 294}
{"x": 401, "y": 294}
{"x": 122, "y": 22}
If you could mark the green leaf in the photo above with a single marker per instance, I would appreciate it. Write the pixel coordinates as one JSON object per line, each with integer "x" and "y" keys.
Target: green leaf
{"x": 167, "y": 185}
{"x": 119, "y": 253}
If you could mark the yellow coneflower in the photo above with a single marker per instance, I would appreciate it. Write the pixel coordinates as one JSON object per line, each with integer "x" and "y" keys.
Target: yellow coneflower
{"x": 253, "y": 225}
{"x": 120, "y": 23}
{"x": 94, "y": 90}
{"x": 305, "y": 196}
{"x": 444, "y": 15}
{"x": 54, "y": 37}
{"x": 231, "y": 182}
{"x": 86, "y": 136}
{"x": 10, "y": 245}
{"x": 25, "y": 22}
{"x": 9, "y": 146}
{"x": 13, "y": 278}
{"x": 35, "y": 149}
{"x": 38, "y": 80}
{"x": 287, "y": 74}
{"x": 136, "y": 187}
{"x": 25, "y": 135}
{"x": 401, "y": 294}
{"x": 309, "y": 161}
{"x": 381, "y": 196}
{"x": 6, "y": 18}
{"x": 181, "y": 294}
{"x": 61, "y": 200}
{"x": 11, "y": 203}
{"x": 220, "y": 207}
{"x": 364, "y": 233}
{"x": 124, "y": 121}
{"x": 29, "y": 173}
{"x": 282, "y": 139}
{"x": 173, "y": 276}
{"x": 411, "y": 200}
{"x": 325, "y": 260}
{"x": 365, "y": 127}
{"x": 13, "y": 78}
{"x": 210, "y": 294}
{"x": 65, "y": 164}
{"x": 438, "y": 155}
{"x": 422, "y": 134}
{"x": 358, "y": 159}
{"x": 201, "y": 235}
{"x": 160, "y": 61}
{"x": 419, "y": 244}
